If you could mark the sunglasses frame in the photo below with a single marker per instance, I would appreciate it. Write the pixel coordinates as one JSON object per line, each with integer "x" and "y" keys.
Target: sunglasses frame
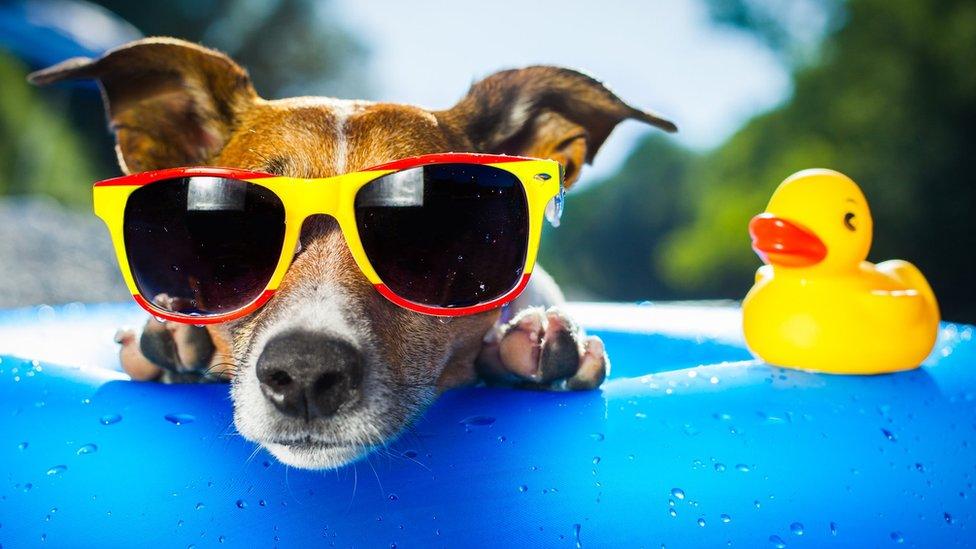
{"x": 541, "y": 181}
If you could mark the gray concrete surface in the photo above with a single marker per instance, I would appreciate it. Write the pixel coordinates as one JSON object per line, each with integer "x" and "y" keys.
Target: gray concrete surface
{"x": 53, "y": 255}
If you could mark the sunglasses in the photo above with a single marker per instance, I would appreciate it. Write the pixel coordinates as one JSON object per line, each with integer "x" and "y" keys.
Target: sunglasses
{"x": 443, "y": 234}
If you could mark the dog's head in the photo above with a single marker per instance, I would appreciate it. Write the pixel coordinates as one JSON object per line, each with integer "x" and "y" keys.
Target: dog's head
{"x": 330, "y": 368}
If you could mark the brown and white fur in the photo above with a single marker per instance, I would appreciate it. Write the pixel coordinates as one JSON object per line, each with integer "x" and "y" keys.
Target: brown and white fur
{"x": 172, "y": 103}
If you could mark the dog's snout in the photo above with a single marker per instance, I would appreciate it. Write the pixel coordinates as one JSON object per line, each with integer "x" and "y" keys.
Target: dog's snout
{"x": 309, "y": 375}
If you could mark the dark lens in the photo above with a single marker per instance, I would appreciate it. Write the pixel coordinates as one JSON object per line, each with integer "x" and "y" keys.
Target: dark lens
{"x": 445, "y": 235}
{"x": 203, "y": 245}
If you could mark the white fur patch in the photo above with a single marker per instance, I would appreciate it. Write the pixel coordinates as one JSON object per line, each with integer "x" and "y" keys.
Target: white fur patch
{"x": 342, "y": 109}
{"x": 321, "y": 310}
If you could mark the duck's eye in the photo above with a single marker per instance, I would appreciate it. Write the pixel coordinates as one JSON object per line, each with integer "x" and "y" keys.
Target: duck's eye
{"x": 849, "y": 221}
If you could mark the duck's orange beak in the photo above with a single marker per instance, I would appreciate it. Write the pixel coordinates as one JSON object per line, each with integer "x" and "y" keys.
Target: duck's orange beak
{"x": 780, "y": 242}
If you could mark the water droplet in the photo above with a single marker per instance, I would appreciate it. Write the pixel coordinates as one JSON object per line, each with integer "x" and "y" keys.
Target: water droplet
{"x": 742, "y": 467}
{"x": 756, "y": 503}
{"x": 596, "y": 460}
{"x": 576, "y": 533}
{"x": 28, "y": 486}
{"x": 889, "y": 435}
{"x": 221, "y": 539}
{"x": 919, "y": 467}
{"x": 797, "y": 528}
{"x": 262, "y": 503}
{"x": 833, "y": 528}
{"x": 180, "y": 419}
{"x": 777, "y": 542}
{"x": 56, "y": 470}
{"x": 701, "y": 522}
{"x": 477, "y": 421}
{"x": 241, "y": 504}
{"x": 502, "y": 438}
{"x": 90, "y": 448}
{"x": 23, "y": 445}
{"x": 410, "y": 454}
{"x": 720, "y": 467}
{"x": 897, "y": 537}
{"x": 523, "y": 488}
{"x": 672, "y": 512}
{"x": 392, "y": 497}
{"x": 199, "y": 505}
{"x": 678, "y": 493}
{"x": 725, "y": 518}
{"x": 110, "y": 419}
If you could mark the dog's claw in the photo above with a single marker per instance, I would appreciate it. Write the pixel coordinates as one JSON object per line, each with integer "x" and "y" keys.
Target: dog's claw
{"x": 544, "y": 349}
{"x": 133, "y": 361}
{"x": 171, "y": 352}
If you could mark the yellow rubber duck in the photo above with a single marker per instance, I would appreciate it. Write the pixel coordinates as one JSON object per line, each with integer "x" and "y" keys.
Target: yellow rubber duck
{"x": 817, "y": 304}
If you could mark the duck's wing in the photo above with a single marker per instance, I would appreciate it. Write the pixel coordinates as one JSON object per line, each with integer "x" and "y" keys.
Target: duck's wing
{"x": 909, "y": 276}
{"x": 892, "y": 307}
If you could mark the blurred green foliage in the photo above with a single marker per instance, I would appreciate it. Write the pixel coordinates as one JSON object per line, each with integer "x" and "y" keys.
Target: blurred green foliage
{"x": 890, "y": 100}
{"x": 40, "y": 152}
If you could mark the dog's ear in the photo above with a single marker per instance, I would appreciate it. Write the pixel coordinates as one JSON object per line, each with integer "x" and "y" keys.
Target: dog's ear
{"x": 544, "y": 112}
{"x": 170, "y": 103}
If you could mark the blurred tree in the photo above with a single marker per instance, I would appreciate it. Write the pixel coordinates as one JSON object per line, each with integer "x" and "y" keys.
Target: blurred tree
{"x": 794, "y": 29}
{"x": 290, "y": 47}
{"x": 608, "y": 242}
{"x": 40, "y": 151}
{"x": 889, "y": 99}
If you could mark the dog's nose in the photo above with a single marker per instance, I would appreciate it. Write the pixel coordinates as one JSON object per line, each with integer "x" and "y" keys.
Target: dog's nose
{"x": 309, "y": 375}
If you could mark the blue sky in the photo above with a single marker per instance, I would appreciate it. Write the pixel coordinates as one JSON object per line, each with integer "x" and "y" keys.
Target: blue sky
{"x": 663, "y": 55}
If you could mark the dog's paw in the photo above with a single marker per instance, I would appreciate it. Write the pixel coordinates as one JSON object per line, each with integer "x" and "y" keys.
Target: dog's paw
{"x": 544, "y": 349}
{"x": 171, "y": 352}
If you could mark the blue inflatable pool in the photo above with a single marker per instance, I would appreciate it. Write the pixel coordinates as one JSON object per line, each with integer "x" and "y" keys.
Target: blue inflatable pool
{"x": 690, "y": 443}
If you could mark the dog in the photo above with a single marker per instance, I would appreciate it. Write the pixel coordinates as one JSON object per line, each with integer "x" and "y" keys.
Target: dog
{"x": 172, "y": 103}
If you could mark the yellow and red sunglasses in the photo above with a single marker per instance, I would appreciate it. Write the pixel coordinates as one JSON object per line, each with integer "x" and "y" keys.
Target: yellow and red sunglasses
{"x": 442, "y": 234}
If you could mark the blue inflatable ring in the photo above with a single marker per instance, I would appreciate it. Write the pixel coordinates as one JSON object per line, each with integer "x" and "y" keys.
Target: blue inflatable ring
{"x": 689, "y": 443}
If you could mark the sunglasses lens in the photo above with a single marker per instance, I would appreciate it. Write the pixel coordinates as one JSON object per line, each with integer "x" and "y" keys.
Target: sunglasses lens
{"x": 203, "y": 245}
{"x": 445, "y": 235}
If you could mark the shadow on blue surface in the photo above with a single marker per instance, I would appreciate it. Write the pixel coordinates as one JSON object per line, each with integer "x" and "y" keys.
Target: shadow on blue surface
{"x": 690, "y": 444}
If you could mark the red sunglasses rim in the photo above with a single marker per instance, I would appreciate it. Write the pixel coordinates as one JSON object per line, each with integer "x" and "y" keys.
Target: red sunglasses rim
{"x": 145, "y": 178}
{"x": 385, "y": 291}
